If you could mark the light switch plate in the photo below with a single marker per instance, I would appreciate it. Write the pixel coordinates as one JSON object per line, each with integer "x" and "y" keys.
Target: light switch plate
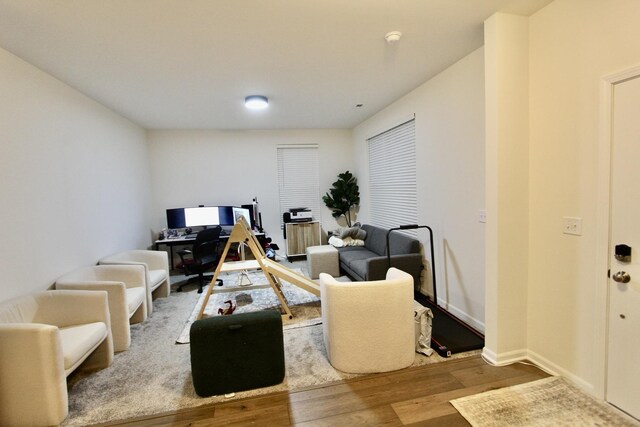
{"x": 572, "y": 225}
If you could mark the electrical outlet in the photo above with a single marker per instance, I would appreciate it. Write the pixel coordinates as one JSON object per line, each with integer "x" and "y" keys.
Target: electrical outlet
{"x": 482, "y": 216}
{"x": 572, "y": 225}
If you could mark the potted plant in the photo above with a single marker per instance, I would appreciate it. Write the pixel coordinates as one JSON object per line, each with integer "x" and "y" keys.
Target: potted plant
{"x": 343, "y": 197}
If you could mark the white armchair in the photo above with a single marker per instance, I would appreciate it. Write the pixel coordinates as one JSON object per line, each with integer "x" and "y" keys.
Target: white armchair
{"x": 156, "y": 265}
{"x": 369, "y": 326}
{"x": 126, "y": 290}
{"x": 43, "y": 338}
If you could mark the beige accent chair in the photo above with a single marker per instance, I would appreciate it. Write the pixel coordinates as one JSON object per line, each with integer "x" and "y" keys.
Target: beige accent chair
{"x": 43, "y": 338}
{"x": 369, "y": 326}
{"x": 125, "y": 286}
{"x": 156, "y": 266}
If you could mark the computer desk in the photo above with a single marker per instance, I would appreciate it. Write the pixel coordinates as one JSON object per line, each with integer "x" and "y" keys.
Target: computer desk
{"x": 187, "y": 241}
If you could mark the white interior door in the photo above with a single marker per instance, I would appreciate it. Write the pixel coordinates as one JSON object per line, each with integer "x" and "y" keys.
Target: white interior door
{"x": 623, "y": 352}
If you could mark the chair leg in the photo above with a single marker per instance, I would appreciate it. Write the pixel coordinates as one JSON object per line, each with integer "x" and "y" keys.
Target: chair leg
{"x": 186, "y": 282}
{"x": 201, "y": 279}
{"x": 219, "y": 282}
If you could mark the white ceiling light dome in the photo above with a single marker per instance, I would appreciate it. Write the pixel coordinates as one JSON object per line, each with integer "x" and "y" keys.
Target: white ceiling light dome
{"x": 256, "y": 102}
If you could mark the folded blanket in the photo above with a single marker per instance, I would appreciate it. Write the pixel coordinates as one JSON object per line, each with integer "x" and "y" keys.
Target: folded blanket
{"x": 337, "y": 242}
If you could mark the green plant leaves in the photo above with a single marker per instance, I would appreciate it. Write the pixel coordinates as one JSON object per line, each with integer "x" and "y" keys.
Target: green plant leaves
{"x": 343, "y": 196}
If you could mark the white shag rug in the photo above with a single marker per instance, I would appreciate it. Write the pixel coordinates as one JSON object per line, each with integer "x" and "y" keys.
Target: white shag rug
{"x": 154, "y": 375}
{"x": 258, "y": 296}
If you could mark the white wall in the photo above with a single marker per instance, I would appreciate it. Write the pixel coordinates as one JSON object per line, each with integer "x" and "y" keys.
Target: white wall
{"x": 507, "y": 182}
{"x": 449, "y": 112}
{"x": 573, "y": 45}
{"x": 74, "y": 180}
{"x": 232, "y": 167}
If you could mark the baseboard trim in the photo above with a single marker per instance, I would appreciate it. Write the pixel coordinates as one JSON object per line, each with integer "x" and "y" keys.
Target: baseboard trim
{"x": 515, "y": 356}
{"x": 473, "y": 322}
{"x": 504, "y": 359}
{"x": 553, "y": 369}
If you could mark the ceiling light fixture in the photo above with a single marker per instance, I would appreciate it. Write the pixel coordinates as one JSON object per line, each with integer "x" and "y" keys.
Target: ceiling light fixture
{"x": 393, "y": 37}
{"x": 256, "y": 102}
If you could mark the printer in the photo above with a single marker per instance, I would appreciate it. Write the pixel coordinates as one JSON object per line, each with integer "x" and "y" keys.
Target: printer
{"x": 298, "y": 215}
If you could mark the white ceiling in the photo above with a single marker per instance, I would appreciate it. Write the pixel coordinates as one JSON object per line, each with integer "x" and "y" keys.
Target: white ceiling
{"x": 188, "y": 64}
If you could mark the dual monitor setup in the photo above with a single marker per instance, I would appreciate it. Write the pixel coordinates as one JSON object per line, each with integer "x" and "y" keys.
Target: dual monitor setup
{"x": 209, "y": 216}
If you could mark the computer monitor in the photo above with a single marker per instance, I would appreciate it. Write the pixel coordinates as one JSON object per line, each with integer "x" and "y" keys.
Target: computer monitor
{"x": 226, "y": 216}
{"x": 201, "y": 216}
{"x": 241, "y": 212}
{"x": 175, "y": 218}
{"x": 252, "y": 214}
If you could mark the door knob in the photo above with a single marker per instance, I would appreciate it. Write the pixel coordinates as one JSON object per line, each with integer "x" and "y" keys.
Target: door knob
{"x": 621, "y": 277}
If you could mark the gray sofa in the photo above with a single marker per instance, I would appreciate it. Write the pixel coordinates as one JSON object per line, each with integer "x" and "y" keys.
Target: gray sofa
{"x": 369, "y": 262}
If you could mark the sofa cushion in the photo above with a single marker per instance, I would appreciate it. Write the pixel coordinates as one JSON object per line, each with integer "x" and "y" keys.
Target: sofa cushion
{"x": 399, "y": 243}
{"x": 349, "y": 257}
{"x": 376, "y": 240}
{"x": 402, "y": 244}
{"x": 79, "y": 341}
{"x": 156, "y": 277}
{"x": 368, "y": 270}
{"x": 350, "y": 248}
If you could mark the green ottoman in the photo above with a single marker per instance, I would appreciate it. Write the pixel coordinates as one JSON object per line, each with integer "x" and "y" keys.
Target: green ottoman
{"x": 237, "y": 352}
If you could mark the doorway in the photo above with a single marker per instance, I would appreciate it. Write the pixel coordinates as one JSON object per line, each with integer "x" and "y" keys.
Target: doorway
{"x": 622, "y": 372}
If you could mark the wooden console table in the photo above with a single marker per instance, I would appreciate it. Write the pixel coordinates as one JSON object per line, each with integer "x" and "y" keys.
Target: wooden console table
{"x": 301, "y": 235}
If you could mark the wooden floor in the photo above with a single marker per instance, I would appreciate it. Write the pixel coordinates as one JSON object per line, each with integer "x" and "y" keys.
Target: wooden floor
{"x": 413, "y": 396}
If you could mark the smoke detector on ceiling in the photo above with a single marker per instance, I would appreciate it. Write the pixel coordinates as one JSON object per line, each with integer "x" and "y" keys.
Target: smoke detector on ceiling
{"x": 393, "y": 37}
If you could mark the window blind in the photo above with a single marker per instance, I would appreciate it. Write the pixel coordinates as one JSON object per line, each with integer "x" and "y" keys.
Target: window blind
{"x": 298, "y": 178}
{"x": 392, "y": 176}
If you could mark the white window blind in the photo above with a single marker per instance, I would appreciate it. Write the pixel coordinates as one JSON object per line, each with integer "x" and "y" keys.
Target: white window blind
{"x": 392, "y": 176}
{"x": 298, "y": 178}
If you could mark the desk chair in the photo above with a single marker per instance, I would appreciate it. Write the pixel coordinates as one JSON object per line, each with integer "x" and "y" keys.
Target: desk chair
{"x": 202, "y": 257}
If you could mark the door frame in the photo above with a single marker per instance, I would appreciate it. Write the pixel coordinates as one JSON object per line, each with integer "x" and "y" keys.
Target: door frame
{"x": 603, "y": 220}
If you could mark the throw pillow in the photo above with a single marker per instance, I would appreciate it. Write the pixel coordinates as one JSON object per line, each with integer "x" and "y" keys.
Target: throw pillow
{"x": 336, "y": 242}
{"x": 353, "y": 232}
{"x": 350, "y": 241}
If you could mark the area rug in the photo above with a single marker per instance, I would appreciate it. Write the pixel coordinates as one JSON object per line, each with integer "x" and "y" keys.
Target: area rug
{"x": 547, "y": 402}
{"x": 154, "y": 375}
{"x": 256, "y": 296}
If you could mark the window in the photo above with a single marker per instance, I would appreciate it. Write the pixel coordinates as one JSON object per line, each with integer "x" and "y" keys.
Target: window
{"x": 298, "y": 178}
{"x": 392, "y": 176}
